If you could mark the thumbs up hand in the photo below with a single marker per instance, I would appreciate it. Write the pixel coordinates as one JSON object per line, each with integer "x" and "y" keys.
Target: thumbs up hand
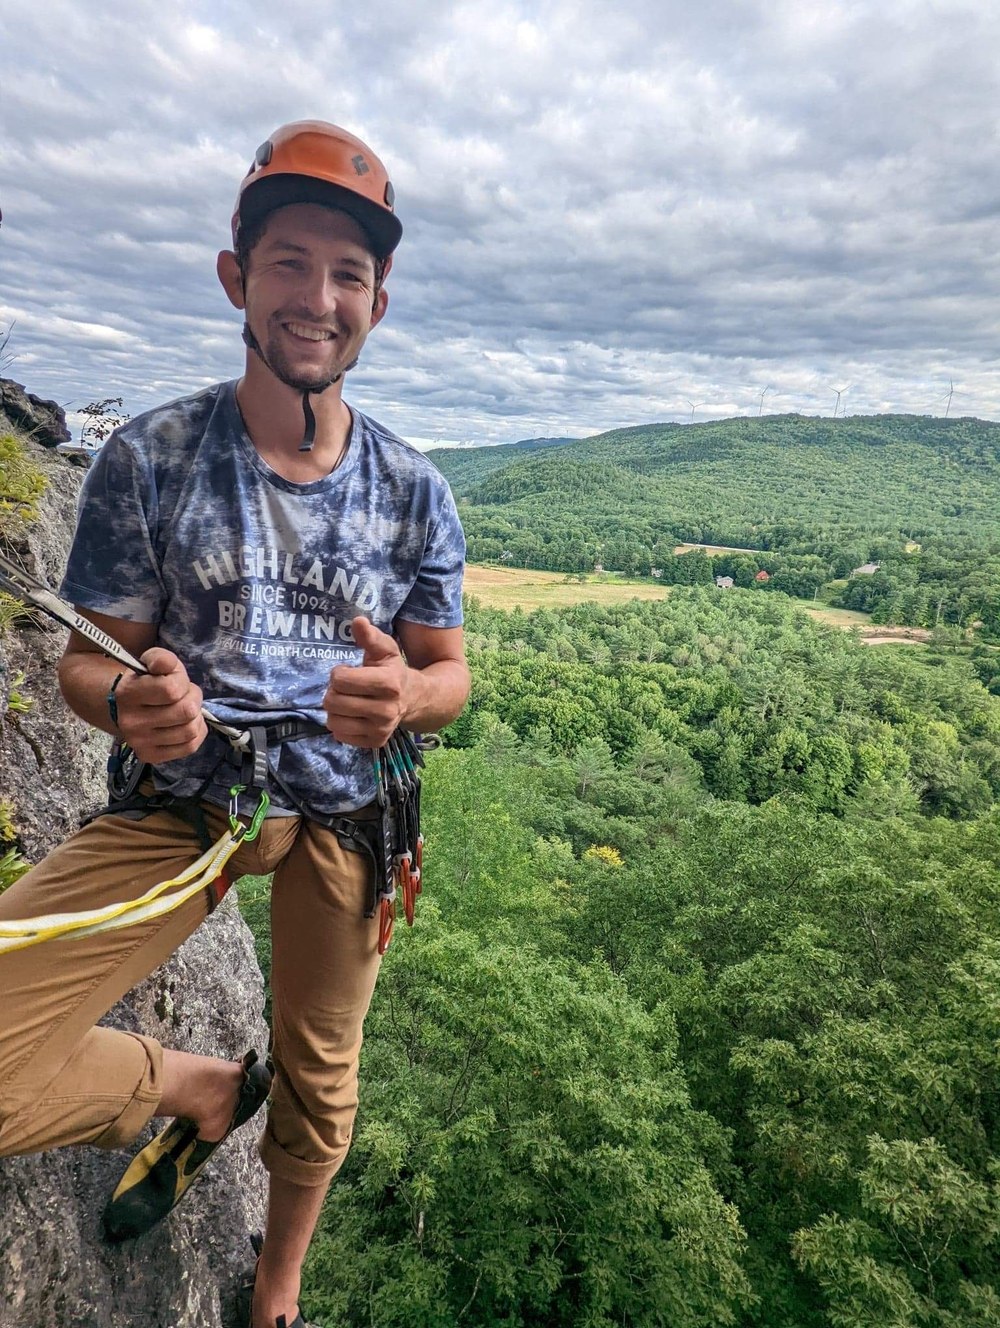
{"x": 366, "y": 702}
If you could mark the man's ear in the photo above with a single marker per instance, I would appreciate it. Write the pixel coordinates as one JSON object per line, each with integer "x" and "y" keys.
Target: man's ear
{"x": 379, "y": 308}
{"x": 231, "y": 278}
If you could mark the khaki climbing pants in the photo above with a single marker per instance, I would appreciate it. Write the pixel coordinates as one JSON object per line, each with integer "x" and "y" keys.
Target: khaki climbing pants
{"x": 63, "y": 1080}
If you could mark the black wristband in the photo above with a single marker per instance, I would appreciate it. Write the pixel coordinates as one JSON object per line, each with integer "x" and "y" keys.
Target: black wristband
{"x": 113, "y": 700}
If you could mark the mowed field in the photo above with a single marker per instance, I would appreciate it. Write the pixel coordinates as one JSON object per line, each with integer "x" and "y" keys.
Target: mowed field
{"x": 517, "y": 587}
{"x": 712, "y": 549}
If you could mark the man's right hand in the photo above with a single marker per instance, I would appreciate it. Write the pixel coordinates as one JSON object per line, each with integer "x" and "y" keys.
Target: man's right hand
{"x": 159, "y": 713}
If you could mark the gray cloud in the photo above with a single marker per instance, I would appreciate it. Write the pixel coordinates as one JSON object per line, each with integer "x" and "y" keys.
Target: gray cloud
{"x": 612, "y": 215}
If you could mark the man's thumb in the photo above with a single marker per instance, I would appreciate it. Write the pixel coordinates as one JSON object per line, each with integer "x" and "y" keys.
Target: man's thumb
{"x": 376, "y": 645}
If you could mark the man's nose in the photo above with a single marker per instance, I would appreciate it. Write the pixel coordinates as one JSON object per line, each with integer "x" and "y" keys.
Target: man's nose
{"x": 319, "y": 293}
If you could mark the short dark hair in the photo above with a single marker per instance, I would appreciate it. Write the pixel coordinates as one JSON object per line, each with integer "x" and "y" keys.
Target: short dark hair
{"x": 251, "y": 233}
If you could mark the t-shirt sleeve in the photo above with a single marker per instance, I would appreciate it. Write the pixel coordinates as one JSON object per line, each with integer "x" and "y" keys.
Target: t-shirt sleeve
{"x": 436, "y": 597}
{"x": 112, "y": 567}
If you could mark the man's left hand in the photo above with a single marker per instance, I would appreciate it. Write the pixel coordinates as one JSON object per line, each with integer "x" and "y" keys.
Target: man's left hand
{"x": 365, "y": 703}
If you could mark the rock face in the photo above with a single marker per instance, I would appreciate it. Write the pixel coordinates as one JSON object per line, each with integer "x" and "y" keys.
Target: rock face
{"x": 55, "y": 1271}
{"x": 43, "y": 421}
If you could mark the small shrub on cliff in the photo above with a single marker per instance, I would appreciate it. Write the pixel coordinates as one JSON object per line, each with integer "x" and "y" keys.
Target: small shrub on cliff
{"x": 12, "y": 865}
{"x": 18, "y": 703}
{"x": 21, "y": 484}
{"x": 102, "y": 418}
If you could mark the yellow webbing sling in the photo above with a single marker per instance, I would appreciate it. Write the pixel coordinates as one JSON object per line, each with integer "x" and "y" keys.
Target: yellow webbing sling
{"x": 18, "y": 934}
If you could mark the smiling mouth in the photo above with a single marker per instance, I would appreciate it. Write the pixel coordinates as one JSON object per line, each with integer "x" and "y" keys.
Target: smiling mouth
{"x": 308, "y": 333}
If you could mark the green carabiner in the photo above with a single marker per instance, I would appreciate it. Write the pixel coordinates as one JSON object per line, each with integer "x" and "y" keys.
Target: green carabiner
{"x": 251, "y": 831}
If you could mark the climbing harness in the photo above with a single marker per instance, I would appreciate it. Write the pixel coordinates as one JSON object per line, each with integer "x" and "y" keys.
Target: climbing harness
{"x": 392, "y": 841}
{"x": 155, "y": 903}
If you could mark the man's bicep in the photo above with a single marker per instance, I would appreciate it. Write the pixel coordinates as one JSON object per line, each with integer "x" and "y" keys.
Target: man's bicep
{"x": 136, "y": 637}
{"x": 429, "y": 645}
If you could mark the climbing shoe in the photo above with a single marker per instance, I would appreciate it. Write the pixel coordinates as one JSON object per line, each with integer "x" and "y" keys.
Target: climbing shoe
{"x": 244, "y": 1295}
{"x": 159, "y": 1177}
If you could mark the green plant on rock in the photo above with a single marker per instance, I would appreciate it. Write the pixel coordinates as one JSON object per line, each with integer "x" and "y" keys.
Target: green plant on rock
{"x": 21, "y": 484}
{"x": 6, "y": 359}
{"x": 7, "y": 832}
{"x": 11, "y": 610}
{"x": 17, "y": 702}
{"x": 101, "y": 420}
{"x": 12, "y": 865}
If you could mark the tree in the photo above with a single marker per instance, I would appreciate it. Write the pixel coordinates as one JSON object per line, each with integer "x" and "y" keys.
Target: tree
{"x": 526, "y": 1154}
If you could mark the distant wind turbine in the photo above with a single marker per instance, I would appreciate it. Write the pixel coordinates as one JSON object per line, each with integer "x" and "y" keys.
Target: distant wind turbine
{"x": 951, "y": 393}
{"x": 694, "y": 406}
{"x": 760, "y": 406}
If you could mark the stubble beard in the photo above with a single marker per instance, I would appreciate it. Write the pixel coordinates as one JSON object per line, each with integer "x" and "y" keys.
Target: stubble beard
{"x": 281, "y": 366}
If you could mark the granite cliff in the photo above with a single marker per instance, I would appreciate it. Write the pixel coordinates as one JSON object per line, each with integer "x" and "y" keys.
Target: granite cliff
{"x": 55, "y": 1270}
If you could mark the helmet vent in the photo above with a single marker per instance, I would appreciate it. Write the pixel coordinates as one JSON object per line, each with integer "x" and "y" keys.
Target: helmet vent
{"x": 263, "y": 155}
{"x": 390, "y": 194}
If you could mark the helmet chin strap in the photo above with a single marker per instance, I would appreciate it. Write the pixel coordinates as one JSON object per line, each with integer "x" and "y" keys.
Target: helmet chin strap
{"x": 309, "y": 437}
{"x": 309, "y": 418}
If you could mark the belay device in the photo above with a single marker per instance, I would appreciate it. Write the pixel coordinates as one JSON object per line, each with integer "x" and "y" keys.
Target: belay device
{"x": 392, "y": 841}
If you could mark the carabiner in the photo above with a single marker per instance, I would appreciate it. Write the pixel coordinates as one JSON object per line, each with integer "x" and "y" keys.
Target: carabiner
{"x": 246, "y": 832}
{"x": 386, "y": 917}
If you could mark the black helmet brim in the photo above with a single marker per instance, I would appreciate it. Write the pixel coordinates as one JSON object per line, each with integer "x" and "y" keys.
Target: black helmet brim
{"x": 271, "y": 192}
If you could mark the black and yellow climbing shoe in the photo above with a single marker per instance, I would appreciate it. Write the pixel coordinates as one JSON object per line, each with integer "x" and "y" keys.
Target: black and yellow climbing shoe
{"x": 159, "y": 1177}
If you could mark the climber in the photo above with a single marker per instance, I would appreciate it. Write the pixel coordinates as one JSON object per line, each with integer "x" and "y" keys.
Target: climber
{"x": 283, "y": 565}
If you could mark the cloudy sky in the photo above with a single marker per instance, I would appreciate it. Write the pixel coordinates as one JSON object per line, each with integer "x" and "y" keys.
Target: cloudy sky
{"x": 658, "y": 210}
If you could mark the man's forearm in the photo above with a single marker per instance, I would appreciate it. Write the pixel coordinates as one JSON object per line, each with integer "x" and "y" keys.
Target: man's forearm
{"x": 85, "y": 678}
{"x": 437, "y": 695}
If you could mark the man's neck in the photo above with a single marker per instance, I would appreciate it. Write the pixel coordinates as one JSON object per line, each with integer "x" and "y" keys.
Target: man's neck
{"x": 275, "y": 423}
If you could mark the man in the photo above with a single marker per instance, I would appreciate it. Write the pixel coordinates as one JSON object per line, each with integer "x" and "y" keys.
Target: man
{"x": 266, "y": 549}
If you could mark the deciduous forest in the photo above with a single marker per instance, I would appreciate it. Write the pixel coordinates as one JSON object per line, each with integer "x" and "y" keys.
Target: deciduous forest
{"x": 698, "y": 1021}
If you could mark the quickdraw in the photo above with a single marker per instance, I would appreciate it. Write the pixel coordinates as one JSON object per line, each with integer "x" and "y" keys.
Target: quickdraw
{"x": 19, "y": 583}
{"x": 397, "y": 793}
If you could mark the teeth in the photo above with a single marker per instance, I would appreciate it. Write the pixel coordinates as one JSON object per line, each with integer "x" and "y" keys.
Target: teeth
{"x": 310, "y": 333}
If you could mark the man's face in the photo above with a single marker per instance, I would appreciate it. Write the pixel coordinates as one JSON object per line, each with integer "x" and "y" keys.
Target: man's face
{"x": 310, "y": 294}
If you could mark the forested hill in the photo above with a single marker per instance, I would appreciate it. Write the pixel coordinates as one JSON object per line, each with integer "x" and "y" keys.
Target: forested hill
{"x": 466, "y": 466}
{"x": 780, "y": 482}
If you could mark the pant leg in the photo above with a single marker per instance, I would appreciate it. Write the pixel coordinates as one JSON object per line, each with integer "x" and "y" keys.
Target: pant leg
{"x": 62, "y": 1080}
{"x": 324, "y": 963}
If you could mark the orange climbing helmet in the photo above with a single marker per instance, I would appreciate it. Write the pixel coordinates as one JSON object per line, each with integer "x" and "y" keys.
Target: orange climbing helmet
{"x": 311, "y": 161}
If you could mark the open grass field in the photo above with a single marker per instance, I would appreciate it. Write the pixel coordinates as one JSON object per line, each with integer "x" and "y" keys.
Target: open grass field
{"x": 711, "y": 549}
{"x": 516, "y": 587}
{"x": 846, "y": 618}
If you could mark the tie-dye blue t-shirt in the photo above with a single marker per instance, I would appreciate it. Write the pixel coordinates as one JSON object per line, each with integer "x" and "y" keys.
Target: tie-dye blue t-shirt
{"x": 253, "y": 580}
